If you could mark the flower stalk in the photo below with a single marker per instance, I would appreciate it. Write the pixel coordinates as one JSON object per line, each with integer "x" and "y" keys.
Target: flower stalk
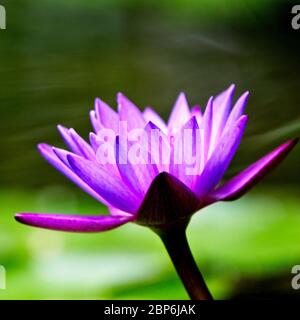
{"x": 176, "y": 243}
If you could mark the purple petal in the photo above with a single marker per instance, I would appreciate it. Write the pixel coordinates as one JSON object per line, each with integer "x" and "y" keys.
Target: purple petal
{"x": 106, "y": 115}
{"x": 207, "y": 129}
{"x": 111, "y": 167}
{"x": 237, "y": 110}
{"x": 180, "y": 113}
{"x": 94, "y": 141}
{"x": 129, "y": 112}
{"x": 61, "y": 164}
{"x": 137, "y": 175}
{"x": 159, "y": 147}
{"x": 196, "y": 111}
{"x": 72, "y": 223}
{"x": 105, "y": 183}
{"x": 185, "y": 147}
{"x": 62, "y": 155}
{"x": 85, "y": 149}
{"x": 241, "y": 183}
{"x": 68, "y": 139}
{"x": 76, "y": 143}
{"x": 95, "y": 122}
{"x": 221, "y": 107}
{"x": 220, "y": 159}
{"x": 151, "y": 115}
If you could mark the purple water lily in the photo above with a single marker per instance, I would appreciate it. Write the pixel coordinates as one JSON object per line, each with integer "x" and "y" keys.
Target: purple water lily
{"x": 160, "y": 195}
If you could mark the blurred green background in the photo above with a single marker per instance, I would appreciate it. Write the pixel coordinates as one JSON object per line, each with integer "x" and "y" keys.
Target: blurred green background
{"x": 57, "y": 56}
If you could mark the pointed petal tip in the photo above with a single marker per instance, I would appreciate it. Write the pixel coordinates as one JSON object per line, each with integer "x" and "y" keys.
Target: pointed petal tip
{"x": 97, "y": 100}
{"x": 61, "y": 127}
{"x": 229, "y": 92}
{"x": 43, "y": 147}
{"x": 54, "y": 149}
{"x": 120, "y": 97}
{"x": 209, "y": 103}
{"x": 288, "y": 145}
{"x": 72, "y": 131}
{"x": 194, "y": 122}
{"x": 182, "y": 95}
{"x": 92, "y": 134}
{"x": 249, "y": 177}
{"x": 196, "y": 109}
{"x": 293, "y": 141}
{"x": 64, "y": 131}
{"x": 24, "y": 217}
{"x": 92, "y": 113}
{"x": 72, "y": 223}
{"x": 93, "y": 117}
{"x": 242, "y": 122}
{"x": 71, "y": 159}
{"x": 39, "y": 146}
{"x": 232, "y": 87}
{"x": 97, "y": 103}
{"x": 182, "y": 98}
{"x": 244, "y": 97}
{"x": 151, "y": 125}
{"x": 123, "y": 99}
{"x": 19, "y": 217}
{"x": 180, "y": 112}
{"x": 243, "y": 119}
{"x": 146, "y": 109}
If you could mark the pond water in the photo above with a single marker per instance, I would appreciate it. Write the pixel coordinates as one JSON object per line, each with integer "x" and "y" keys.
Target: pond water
{"x": 56, "y": 58}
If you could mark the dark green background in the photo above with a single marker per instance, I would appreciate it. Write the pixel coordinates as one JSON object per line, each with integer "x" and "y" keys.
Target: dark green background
{"x": 57, "y": 56}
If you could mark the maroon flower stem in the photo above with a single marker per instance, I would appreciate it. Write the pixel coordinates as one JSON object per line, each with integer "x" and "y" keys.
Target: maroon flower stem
{"x": 178, "y": 248}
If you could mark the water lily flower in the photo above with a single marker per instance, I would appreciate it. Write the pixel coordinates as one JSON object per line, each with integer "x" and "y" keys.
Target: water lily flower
{"x": 157, "y": 194}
